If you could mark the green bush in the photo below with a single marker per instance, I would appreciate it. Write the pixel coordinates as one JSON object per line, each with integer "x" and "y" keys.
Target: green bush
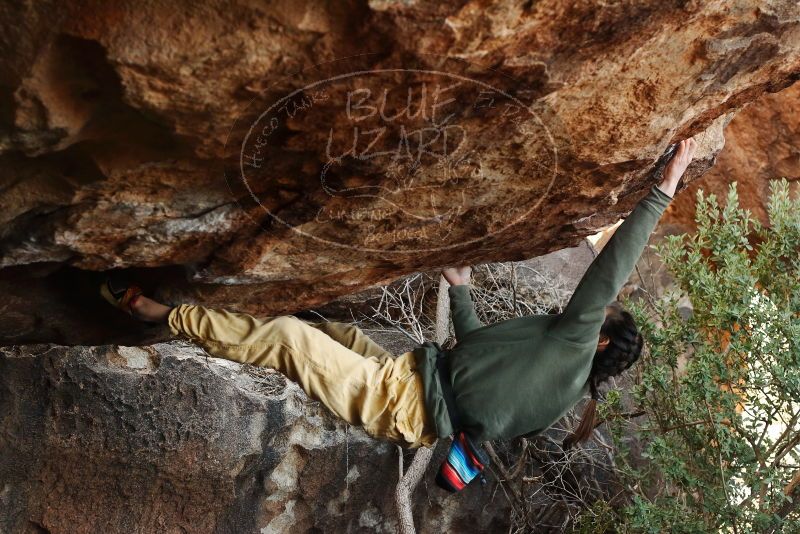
{"x": 720, "y": 443}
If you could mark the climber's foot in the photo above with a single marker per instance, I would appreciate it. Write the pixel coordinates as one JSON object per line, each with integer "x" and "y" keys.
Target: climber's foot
{"x": 127, "y": 296}
{"x": 149, "y": 310}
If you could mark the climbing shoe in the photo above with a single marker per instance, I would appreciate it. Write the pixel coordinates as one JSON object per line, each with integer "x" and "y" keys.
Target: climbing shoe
{"x": 120, "y": 293}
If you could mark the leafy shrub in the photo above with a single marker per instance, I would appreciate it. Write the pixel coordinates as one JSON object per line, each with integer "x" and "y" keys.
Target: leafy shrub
{"x": 719, "y": 448}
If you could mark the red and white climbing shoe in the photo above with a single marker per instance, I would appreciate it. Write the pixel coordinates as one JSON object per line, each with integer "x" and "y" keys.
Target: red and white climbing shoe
{"x": 120, "y": 293}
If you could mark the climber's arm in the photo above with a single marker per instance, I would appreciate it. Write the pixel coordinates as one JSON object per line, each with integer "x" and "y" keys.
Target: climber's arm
{"x": 462, "y": 309}
{"x": 585, "y": 312}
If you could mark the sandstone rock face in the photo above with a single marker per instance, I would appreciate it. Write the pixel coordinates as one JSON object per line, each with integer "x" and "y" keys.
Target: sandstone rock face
{"x": 762, "y": 143}
{"x": 161, "y": 438}
{"x": 272, "y": 157}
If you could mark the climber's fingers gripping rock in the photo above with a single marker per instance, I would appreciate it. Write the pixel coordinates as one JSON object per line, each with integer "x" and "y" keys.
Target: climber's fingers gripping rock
{"x": 683, "y": 156}
{"x": 457, "y": 276}
{"x": 677, "y": 166}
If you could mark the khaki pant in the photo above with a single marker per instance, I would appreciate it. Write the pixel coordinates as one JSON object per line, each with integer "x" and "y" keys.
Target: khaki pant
{"x": 334, "y": 363}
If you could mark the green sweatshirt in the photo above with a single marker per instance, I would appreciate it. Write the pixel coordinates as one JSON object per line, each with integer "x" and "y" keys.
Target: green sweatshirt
{"x": 519, "y": 376}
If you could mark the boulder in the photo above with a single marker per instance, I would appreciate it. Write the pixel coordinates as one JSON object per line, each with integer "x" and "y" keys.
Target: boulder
{"x": 163, "y": 438}
{"x": 274, "y": 157}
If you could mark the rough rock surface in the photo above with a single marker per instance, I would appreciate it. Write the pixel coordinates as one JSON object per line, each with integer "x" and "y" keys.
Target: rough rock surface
{"x": 126, "y": 142}
{"x": 407, "y": 136}
{"x": 762, "y": 143}
{"x": 160, "y": 438}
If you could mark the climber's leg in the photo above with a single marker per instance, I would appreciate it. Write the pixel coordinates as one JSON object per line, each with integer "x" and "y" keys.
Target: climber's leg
{"x": 383, "y": 395}
{"x": 353, "y": 338}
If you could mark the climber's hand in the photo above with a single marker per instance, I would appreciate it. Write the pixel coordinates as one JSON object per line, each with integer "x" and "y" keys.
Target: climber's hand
{"x": 457, "y": 276}
{"x": 677, "y": 165}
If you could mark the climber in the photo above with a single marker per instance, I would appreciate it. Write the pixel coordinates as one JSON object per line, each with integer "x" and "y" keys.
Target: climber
{"x": 511, "y": 378}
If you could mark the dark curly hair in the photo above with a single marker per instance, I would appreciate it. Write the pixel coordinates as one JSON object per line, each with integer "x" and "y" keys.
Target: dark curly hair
{"x": 624, "y": 347}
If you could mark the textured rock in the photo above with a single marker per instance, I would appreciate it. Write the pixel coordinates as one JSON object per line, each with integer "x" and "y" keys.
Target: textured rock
{"x": 125, "y": 137}
{"x": 565, "y": 267}
{"x": 762, "y": 143}
{"x": 126, "y": 143}
{"x": 163, "y": 439}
